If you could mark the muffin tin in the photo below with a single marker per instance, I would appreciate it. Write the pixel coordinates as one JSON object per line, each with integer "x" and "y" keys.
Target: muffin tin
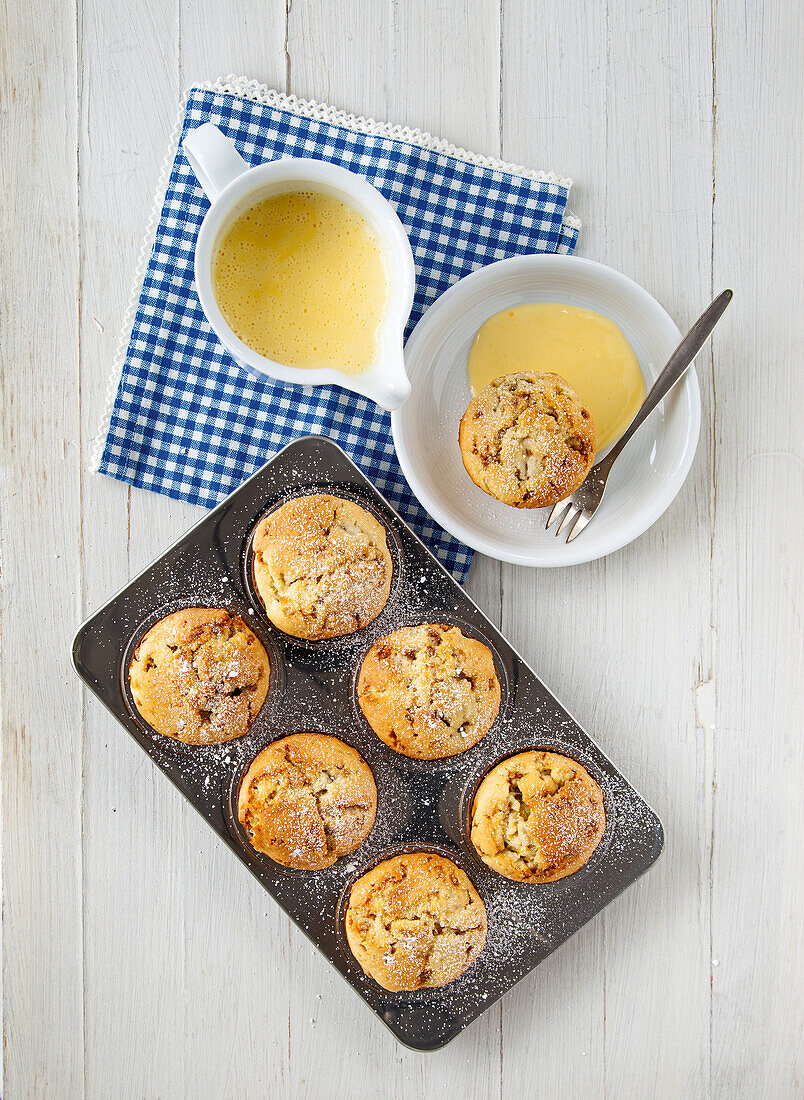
{"x": 421, "y": 804}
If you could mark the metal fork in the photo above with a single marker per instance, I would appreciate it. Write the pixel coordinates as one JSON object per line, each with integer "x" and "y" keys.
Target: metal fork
{"x": 577, "y": 510}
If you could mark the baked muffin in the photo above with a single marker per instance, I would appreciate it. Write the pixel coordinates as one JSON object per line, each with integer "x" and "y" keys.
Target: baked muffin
{"x": 200, "y": 676}
{"x": 537, "y": 817}
{"x": 527, "y": 440}
{"x": 429, "y": 691}
{"x": 321, "y": 566}
{"x": 307, "y": 800}
{"x": 415, "y": 922}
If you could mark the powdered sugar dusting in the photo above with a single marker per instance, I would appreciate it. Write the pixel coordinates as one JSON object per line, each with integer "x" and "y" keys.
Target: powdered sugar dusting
{"x": 420, "y": 803}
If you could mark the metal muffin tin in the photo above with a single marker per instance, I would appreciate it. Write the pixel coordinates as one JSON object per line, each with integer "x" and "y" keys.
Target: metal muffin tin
{"x": 421, "y": 804}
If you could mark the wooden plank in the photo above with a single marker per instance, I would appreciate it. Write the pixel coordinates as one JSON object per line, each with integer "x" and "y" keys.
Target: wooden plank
{"x": 40, "y": 543}
{"x": 418, "y": 64}
{"x": 658, "y": 212}
{"x": 248, "y": 975}
{"x": 134, "y": 906}
{"x": 549, "y": 102}
{"x": 757, "y": 891}
{"x": 621, "y": 101}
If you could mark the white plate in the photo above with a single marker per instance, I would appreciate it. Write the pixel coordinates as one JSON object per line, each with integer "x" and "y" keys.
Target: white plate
{"x": 646, "y": 477}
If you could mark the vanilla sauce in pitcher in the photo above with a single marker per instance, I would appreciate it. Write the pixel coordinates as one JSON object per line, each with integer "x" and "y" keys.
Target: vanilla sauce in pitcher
{"x": 300, "y": 278}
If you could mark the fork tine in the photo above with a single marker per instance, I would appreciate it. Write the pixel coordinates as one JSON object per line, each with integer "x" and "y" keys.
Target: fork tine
{"x": 570, "y": 517}
{"x": 578, "y": 526}
{"x": 558, "y": 510}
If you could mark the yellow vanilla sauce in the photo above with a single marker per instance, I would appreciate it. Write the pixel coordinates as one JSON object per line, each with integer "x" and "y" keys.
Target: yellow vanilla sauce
{"x": 585, "y": 348}
{"x": 300, "y": 277}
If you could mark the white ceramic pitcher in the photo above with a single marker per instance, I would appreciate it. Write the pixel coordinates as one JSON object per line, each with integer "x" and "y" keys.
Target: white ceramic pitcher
{"x": 232, "y": 187}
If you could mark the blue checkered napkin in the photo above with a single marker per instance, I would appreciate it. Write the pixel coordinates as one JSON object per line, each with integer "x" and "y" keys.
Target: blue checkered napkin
{"x": 187, "y": 421}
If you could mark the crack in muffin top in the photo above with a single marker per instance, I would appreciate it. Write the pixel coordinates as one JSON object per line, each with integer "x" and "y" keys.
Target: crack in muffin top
{"x": 527, "y": 440}
{"x": 321, "y": 566}
{"x": 429, "y": 691}
{"x": 537, "y": 817}
{"x": 306, "y": 800}
{"x": 415, "y": 921}
{"x": 200, "y": 676}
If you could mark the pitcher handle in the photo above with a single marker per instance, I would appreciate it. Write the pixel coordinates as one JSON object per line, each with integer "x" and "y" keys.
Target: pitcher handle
{"x": 213, "y": 158}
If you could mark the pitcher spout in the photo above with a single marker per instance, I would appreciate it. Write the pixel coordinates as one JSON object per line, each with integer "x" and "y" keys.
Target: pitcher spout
{"x": 395, "y": 394}
{"x": 387, "y": 383}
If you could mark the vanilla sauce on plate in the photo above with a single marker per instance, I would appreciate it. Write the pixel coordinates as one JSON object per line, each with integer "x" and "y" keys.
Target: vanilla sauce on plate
{"x": 585, "y": 348}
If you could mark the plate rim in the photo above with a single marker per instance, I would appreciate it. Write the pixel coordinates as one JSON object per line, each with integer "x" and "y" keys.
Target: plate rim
{"x": 576, "y": 554}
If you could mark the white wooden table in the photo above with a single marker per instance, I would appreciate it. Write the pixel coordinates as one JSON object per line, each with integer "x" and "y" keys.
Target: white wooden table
{"x": 140, "y": 959}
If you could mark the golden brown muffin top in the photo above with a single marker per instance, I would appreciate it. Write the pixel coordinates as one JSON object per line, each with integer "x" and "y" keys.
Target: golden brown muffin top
{"x": 537, "y": 817}
{"x": 415, "y": 922}
{"x": 200, "y": 676}
{"x": 429, "y": 691}
{"x": 321, "y": 566}
{"x": 307, "y": 800}
{"x": 527, "y": 440}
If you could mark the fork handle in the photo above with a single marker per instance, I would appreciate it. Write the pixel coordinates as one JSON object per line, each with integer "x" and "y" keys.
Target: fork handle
{"x": 675, "y": 369}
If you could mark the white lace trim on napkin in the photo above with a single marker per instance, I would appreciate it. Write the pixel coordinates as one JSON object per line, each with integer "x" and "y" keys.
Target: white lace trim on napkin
{"x": 308, "y": 108}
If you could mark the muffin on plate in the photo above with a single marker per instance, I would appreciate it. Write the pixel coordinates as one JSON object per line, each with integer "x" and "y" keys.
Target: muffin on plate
{"x": 307, "y": 800}
{"x": 321, "y": 566}
{"x": 415, "y": 922}
{"x": 200, "y": 676}
{"x": 429, "y": 691}
{"x": 527, "y": 440}
{"x": 537, "y": 817}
